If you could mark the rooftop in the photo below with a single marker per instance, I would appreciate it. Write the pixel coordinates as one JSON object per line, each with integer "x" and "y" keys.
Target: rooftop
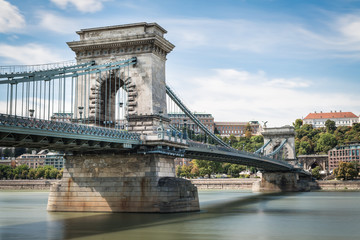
{"x": 330, "y": 115}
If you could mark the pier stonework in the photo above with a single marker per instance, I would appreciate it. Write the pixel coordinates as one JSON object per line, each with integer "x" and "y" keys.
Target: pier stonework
{"x": 122, "y": 183}
{"x": 133, "y": 180}
{"x": 277, "y": 182}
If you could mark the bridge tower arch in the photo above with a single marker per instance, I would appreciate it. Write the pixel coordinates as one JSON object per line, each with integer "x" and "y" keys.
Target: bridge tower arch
{"x": 144, "y": 82}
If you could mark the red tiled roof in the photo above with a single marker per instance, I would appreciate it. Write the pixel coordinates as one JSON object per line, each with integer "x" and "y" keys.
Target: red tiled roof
{"x": 331, "y": 115}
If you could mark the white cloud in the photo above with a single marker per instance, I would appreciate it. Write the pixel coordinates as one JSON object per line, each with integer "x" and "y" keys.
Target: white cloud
{"x": 287, "y": 83}
{"x": 255, "y": 96}
{"x": 349, "y": 26}
{"x": 81, "y": 5}
{"x": 339, "y": 38}
{"x": 10, "y": 17}
{"x": 29, "y": 54}
{"x": 58, "y": 24}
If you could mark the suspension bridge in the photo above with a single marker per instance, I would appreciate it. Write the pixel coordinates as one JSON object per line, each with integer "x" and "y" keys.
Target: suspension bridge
{"x": 108, "y": 113}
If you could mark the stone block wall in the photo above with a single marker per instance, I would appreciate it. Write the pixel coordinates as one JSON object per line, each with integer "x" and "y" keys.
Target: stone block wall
{"x": 122, "y": 183}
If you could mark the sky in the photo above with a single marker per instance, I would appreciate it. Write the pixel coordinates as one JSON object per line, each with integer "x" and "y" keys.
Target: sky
{"x": 240, "y": 60}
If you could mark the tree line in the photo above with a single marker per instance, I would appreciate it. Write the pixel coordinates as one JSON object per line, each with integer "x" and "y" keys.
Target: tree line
{"x": 204, "y": 168}
{"x": 24, "y": 172}
{"x": 311, "y": 140}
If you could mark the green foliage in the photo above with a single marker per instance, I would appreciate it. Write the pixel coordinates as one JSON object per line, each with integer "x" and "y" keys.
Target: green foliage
{"x": 207, "y": 167}
{"x": 298, "y": 123}
{"x": 316, "y": 172}
{"x": 233, "y": 169}
{"x": 346, "y": 171}
{"x": 311, "y": 140}
{"x": 330, "y": 126}
{"x": 326, "y": 142}
{"x": 24, "y": 172}
{"x": 6, "y": 172}
{"x": 203, "y": 168}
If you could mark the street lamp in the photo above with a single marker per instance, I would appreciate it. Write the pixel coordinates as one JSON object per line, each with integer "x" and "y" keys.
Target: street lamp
{"x": 81, "y": 108}
{"x": 31, "y": 112}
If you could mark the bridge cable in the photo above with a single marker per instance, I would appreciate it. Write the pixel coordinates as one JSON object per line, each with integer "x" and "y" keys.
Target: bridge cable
{"x": 188, "y": 113}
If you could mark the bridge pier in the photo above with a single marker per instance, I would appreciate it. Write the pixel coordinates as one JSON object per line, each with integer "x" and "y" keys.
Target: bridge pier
{"x": 280, "y": 182}
{"x": 122, "y": 183}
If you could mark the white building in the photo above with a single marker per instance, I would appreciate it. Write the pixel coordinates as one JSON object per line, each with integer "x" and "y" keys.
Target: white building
{"x": 340, "y": 118}
{"x": 42, "y": 158}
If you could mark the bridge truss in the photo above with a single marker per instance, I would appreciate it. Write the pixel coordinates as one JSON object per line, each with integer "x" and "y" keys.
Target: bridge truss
{"x": 61, "y": 108}
{"x": 55, "y": 107}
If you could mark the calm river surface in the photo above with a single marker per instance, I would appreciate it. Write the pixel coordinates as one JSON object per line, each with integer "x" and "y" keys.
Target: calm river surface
{"x": 224, "y": 215}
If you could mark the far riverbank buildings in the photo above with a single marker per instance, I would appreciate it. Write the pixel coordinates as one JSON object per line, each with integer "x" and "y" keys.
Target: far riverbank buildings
{"x": 237, "y": 129}
{"x": 318, "y": 120}
{"x": 344, "y": 153}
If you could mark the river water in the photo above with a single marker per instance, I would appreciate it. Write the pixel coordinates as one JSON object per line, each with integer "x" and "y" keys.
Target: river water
{"x": 224, "y": 215}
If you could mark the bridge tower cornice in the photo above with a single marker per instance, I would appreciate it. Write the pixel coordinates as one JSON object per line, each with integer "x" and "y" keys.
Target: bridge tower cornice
{"x": 121, "y": 40}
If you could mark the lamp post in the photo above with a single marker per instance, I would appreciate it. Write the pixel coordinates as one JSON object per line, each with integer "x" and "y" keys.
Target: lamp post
{"x": 31, "y": 112}
{"x": 81, "y": 108}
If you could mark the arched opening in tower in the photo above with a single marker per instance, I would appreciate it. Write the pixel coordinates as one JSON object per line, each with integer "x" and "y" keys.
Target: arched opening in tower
{"x": 112, "y": 101}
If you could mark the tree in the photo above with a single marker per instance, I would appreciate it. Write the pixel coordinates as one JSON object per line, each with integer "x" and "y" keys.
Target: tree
{"x": 346, "y": 171}
{"x": 60, "y": 174}
{"x": 326, "y": 142}
{"x": 53, "y": 173}
{"x": 298, "y": 123}
{"x": 40, "y": 172}
{"x": 5, "y": 172}
{"x": 235, "y": 169}
{"x": 316, "y": 172}
{"x": 32, "y": 173}
{"x": 232, "y": 139}
{"x": 178, "y": 170}
{"x": 330, "y": 126}
{"x": 195, "y": 170}
{"x": 207, "y": 167}
{"x": 21, "y": 172}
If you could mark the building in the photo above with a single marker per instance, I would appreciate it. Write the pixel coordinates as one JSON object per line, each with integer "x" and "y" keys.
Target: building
{"x": 179, "y": 120}
{"x": 237, "y": 129}
{"x": 340, "y": 118}
{"x": 7, "y": 161}
{"x": 182, "y": 161}
{"x": 42, "y": 158}
{"x": 344, "y": 153}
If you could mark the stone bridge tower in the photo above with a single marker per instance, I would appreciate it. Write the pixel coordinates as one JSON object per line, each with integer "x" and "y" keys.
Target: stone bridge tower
{"x": 277, "y": 135}
{"x": 145, "y": 82}
{"x": 134, "y": 179}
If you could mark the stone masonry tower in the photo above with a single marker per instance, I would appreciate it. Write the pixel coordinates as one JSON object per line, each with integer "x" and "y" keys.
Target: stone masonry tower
{"x": 145, "y": 82}
{"x": 277, "y": 135}
{"x": 125, "y": 180}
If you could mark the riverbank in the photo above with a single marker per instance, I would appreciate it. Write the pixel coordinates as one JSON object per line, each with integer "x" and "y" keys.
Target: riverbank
{"x": 201, "y": 184}
{"x": 246, "y": 184}
{"x": 225, "y": 183}
{"x": 26, "y": 184}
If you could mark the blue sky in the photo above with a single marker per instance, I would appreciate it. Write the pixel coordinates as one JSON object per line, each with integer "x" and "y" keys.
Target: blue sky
{"x": 265, "y": 60}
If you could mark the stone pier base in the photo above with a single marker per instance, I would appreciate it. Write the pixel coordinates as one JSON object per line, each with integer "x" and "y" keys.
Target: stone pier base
{"x": 279, "y": 182}
{"x": 122, "y": 183}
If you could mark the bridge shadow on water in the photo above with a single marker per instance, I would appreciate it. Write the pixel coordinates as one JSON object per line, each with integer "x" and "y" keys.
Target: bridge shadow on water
{"x": 66, "y": 225}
